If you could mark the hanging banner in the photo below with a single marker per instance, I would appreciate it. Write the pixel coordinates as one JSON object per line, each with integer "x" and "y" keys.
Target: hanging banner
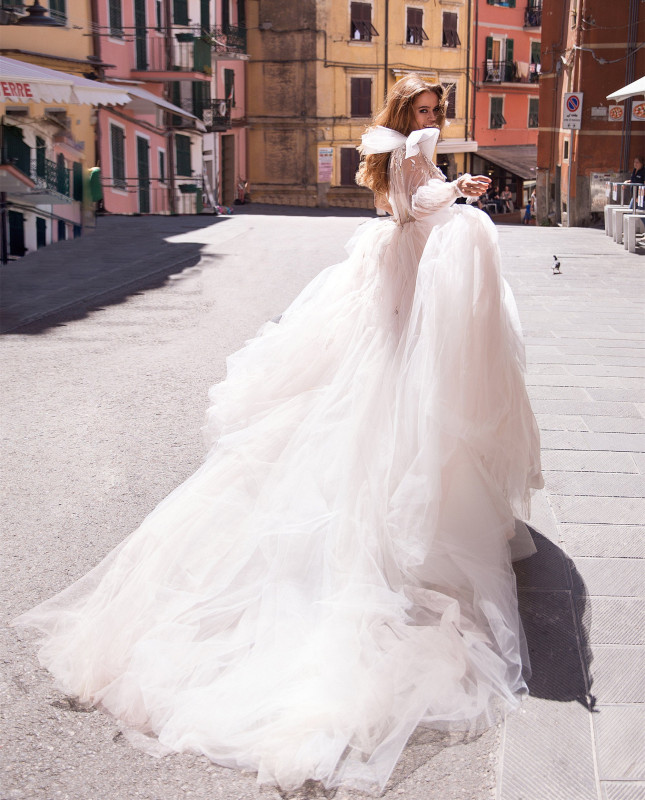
{"x": 325, "y": 164}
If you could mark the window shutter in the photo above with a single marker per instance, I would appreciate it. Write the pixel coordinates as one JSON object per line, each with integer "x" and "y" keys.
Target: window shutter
{"x": 62, "y": 176}
{"x": 180, "y": 12}
{"x": 117, "y": 138}
{"x": 511, "y": 3}
{"x": 509, "y": 72}
{"x": 361, "y": 97}
{"x": 489, "y": 48}
{"x": 58, "y": 10}
{"x": 349, "y": 161}
{"x": 205, "y": 14}
{"x": 361, "y": 27}
{"x": 229, "y": 86}
{"x": 451, "y": 103}
{"x": 40, "y": 156}
{"x": 509, "y": 49}
{"x": 182, "y": 150}
{"x": 162, "y": 166}
{"x": 116, "y": 19}
{"x": 450, "y": 35}
{"x": 77, "y": 176}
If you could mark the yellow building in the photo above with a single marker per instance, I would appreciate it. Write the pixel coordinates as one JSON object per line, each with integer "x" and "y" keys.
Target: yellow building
{"x": 56, "y": 138}
{"x": 319, "y": 70}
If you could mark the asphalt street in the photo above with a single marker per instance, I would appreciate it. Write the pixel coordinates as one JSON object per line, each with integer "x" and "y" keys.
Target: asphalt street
{"x": 112, "y": 342}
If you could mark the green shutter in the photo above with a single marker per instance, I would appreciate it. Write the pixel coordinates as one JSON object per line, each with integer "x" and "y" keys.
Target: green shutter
{"x": 201, "y": 98}
{"x": 41, "y": 232}
{"x": 77, "y": 176}
{"x": 180, "y": 12}
{"x": 182, "y": 155}
{"x": 205, "y": 14}
{"x": 509, "y": 71}
{"x": 511, "y": 3}
{"x": 489, "y": 47}
{"x": 229, "y": 85}
{"x": 62, "y": 175}
{"x": 117, "y": 139}
{"x": 58, "y": 10}
{"x": 143, "y": 174}
{"x": 14, "y": 150}
{"x": 201, "y": 56}
{"x": 116, "y": 19}
{"x": 40, "y": 156}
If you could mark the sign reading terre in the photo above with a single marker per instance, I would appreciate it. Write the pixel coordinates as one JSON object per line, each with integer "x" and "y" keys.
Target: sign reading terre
{"x": 16, "y": 89}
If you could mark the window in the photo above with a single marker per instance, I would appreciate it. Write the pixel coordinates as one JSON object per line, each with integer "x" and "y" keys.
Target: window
{"x": 58, "y": 10}
{"x": 361, "y": 28}
{"x": 62, "y": 175}
{"x": 159, "y": 14}
{"x": 41, "y": 154}
{"x": 414, "y": 29}
{"x": 182, "y": 155}
{"x": 162, "y": 166}
{"x": 565, "y": 150}
{"x": 229, "y": 86}
{"x": 451, "y": 102}
{"x": 62, "y": 230}
{"x": 450, "y": 35}
{"x": 499, "y": 65}
{"x": 116, "y": 19}
{"x": 16, "y": 233}
{"x": 506, "y": 3}
{"x": 205, "y": 14}
{"x": 117, "y": 142}
{"x": 497, "y": 112}
{"x": 349, "y": 161}
{"x": 180, "y": 12}
{"x": 361, "y": 103}
{"x": 41, "y": 232}
{"x": 77, "y": 181}
{"x": 533, "y": 112}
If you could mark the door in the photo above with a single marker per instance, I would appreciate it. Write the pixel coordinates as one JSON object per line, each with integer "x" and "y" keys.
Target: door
{"x": 228, "y": 170}
{"x": 140, "y": 34}
{"x": 143, "y": 174}
{"x": 41, "y": 232}
{"x": 16, "y": 233}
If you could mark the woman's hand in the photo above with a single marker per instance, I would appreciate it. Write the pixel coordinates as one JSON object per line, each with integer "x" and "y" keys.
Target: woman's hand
{"x": 473, "y": 185}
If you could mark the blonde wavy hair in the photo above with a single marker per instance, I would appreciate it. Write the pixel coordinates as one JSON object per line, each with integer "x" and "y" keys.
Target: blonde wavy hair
{"x": 397, "y": 113}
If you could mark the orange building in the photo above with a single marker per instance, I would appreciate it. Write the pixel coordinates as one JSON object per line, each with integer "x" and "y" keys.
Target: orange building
{"x": 591, "y": 48}
{"x": 506, "y": 68}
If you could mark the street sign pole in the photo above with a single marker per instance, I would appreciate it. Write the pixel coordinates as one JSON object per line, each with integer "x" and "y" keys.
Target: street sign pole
{"x": 571, "y": 120}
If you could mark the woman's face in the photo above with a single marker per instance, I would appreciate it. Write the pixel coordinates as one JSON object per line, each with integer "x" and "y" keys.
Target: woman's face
{"x": 425, "y": 108}
{"x": 637, "y": 163}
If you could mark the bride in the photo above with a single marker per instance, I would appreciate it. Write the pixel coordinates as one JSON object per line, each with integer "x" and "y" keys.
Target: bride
{"x": 338, "y": 571}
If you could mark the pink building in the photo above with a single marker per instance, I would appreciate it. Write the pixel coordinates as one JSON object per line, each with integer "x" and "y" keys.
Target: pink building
{"x": 179, "y": 146}
{"x": 506, "y": 66}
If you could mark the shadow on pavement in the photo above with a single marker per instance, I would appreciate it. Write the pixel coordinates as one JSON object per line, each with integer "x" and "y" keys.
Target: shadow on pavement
{"x": 121, "y": 257}
{"x": 267, "y": 209}
{"x": 552, "y": 599}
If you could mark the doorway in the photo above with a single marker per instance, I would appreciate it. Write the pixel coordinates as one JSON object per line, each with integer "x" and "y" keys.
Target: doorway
{"x": 228, "y": 170}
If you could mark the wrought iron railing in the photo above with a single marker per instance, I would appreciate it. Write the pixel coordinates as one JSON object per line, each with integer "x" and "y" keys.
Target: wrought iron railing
{"x": 185, "y": 51}
{"x": 533, "y": 15}
{"x": 50, "y": 176}
{"x": 217, "y": 115}
{"x": 508, "y": 72}
{"x": 228, "y": 38}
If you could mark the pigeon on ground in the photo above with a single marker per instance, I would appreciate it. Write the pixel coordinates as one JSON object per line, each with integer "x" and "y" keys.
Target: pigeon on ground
{"x": 556, "y": 266}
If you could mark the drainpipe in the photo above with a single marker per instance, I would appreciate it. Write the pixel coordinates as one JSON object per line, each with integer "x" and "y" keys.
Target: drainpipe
{"x": 386, "y": 42}
{"x": 169, "y": 132}
{"x": 469, "y": 158}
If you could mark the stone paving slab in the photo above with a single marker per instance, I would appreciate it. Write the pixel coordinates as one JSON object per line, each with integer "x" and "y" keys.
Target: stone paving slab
{"x": 612, "y": 620}
{"x": 623, "y": 790}
{"x": 590, "y": 539}
{"x": 601, "y": 484}
{"x": 620, "y": 734}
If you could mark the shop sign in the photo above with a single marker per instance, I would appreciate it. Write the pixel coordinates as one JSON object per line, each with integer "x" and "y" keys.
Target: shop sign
{"x": 325, "y": 164}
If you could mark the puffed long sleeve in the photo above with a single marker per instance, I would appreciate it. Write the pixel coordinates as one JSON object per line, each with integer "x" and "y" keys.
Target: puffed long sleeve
{"x": 432, "y": 196}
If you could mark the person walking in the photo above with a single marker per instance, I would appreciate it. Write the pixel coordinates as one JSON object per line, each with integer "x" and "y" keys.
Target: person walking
{"x": 338, "y": 571}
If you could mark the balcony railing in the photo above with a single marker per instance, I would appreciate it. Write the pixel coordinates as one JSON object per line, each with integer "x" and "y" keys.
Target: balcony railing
{"x": 533, "y": 15}
{"x": 217, "y": 115}
{"x": 52, "y": 182}
{"x": 510, "y": 72}
{"x": 184, "y": 51}
{"x": 228, "y": 39}
{"x": 50, "y": 177}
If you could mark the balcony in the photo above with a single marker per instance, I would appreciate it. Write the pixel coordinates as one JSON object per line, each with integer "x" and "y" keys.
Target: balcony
{"x": 161, "y": 58}
{"x": 533, "y": 15}
{"x": 217, "y": 115}
{"x": 228, "y": 40}
{"x": 35, "y": 180}
{"x": 510, "y": 72}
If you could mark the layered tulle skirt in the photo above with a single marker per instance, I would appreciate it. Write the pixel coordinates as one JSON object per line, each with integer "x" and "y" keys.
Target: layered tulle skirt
{"x": 339, "y": 569}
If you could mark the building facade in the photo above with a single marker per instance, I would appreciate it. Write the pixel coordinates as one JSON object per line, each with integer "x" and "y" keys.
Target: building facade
{"x": 319, "y": 70}
{"x": 506, "y": 67}
{"x": 183, "y": 63}
{"x": 592, "y": 48}
{"x": 47, "y": 147}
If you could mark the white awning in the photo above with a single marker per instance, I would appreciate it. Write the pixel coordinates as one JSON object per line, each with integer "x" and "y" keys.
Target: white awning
{"x": 21, "y": 82}
{"x": 142, "y": 100}
{"x": 457, "y": 146}
{"x": 637, "y": 87}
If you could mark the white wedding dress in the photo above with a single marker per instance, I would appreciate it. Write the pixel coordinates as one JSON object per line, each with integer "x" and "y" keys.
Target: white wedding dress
{"x": 338, "y": 571}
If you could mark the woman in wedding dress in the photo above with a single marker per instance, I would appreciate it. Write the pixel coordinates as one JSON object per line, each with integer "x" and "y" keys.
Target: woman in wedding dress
{"x": 338, "y": 571}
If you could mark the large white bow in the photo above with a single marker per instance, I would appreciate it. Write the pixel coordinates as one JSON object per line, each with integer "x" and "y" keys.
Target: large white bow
{"x": 383, "y": 140}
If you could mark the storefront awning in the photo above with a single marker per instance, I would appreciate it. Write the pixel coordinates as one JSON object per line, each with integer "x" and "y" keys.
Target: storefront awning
{"x": 520, "y": 159}
{"x": 457, "y": 146}
{"x": 637, "y": 87}
{"x": 143, "y": 101}
{"x": 22, "y": 82}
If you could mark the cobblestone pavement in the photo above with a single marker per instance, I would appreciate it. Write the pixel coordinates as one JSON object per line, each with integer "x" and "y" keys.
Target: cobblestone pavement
{"x": 106, "y": 376}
